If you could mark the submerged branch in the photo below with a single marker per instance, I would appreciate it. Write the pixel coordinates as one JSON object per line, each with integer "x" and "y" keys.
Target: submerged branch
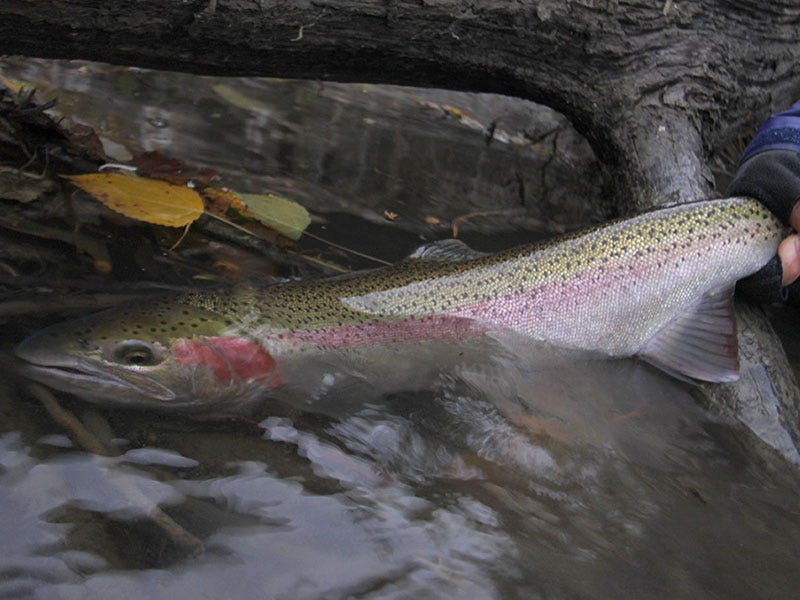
{"x": 82, "y": 436}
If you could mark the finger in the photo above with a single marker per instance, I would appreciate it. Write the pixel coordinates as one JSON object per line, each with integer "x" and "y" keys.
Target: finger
{"x": 789, "y": 253}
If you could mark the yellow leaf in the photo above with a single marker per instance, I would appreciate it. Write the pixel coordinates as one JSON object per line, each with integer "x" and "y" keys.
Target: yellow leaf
{"x": 285, "y": 216}
{"x": 150, "y": 200}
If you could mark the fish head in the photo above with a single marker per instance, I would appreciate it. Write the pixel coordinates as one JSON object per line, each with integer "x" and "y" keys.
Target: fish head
{"x": 170, "y": 354}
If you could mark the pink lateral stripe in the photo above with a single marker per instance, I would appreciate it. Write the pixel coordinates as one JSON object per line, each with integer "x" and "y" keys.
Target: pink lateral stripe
{"x": 433, "y": 327}
{"x": 519, "y": 312}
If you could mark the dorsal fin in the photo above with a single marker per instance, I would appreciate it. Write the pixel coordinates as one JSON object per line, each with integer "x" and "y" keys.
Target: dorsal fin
{"x": 446, "y": 251}
{"x": 699, "y": 343}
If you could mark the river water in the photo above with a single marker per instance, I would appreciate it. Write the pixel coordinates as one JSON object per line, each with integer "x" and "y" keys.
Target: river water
{"x": 592, "y": 480}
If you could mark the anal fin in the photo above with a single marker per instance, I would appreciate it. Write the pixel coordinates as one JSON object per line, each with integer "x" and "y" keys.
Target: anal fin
{"x": 699, "y": 343}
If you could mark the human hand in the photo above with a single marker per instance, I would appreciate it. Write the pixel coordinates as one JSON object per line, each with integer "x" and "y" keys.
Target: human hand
{"x": 789, "y": 250}
{"x": 770, "y": 172}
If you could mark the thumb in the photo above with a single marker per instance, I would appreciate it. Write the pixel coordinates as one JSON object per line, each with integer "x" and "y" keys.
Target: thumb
{"x": 789, "y": 253}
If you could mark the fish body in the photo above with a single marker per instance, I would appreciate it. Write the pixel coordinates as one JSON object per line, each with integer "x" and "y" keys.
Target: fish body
{"x": 658, "y": 286}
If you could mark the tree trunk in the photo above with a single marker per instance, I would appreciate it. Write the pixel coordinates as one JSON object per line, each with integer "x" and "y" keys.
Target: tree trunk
{"x": 652, "y": 85}
{"x": 646, "y": 83}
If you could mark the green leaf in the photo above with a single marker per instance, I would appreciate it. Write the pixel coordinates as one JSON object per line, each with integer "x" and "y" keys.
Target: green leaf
{"x": 285, "y": 216}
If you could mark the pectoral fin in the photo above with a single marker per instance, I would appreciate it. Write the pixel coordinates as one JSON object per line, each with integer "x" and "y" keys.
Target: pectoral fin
{"x": 699, "y": 343}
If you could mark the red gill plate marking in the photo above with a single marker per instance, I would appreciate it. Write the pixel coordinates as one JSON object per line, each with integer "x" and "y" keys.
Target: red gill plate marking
{"x": 229, "y": 358}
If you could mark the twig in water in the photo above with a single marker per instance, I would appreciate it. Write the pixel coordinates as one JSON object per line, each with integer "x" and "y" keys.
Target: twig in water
{"x": 174, "y": 532}
{"x": 82, "y": 436}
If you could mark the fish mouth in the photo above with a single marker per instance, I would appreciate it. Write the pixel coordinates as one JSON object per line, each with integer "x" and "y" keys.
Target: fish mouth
{"x": 95, "y": 380}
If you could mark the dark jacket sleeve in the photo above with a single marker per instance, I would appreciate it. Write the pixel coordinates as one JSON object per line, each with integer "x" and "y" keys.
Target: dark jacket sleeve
{"x": 769, "y": 171}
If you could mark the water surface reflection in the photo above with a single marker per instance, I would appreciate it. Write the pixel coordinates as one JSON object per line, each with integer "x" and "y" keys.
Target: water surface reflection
{"x": 592, "y": 481}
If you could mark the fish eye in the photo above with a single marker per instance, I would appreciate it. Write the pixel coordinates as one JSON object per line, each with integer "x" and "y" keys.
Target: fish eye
{"x": 136, "y": 353}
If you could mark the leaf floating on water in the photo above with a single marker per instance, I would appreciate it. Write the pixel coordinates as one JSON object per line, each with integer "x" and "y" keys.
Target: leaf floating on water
{"x": 285, "y": 216}
{"x": 158, "y": 166}
{"x": 85, "y": 141}
{"x": 149, "y": 200}
{"x": 220, "y": 201}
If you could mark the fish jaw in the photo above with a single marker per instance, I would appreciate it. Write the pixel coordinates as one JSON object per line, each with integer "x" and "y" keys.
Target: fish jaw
{"x": 95, "y": 382}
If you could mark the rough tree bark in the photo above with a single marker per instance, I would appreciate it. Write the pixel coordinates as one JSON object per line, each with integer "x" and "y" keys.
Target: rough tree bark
{"x": 652, "y": 84}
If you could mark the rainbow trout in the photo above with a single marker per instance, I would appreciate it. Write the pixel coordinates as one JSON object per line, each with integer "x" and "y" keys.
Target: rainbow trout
{"x": 657, "y": 286}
